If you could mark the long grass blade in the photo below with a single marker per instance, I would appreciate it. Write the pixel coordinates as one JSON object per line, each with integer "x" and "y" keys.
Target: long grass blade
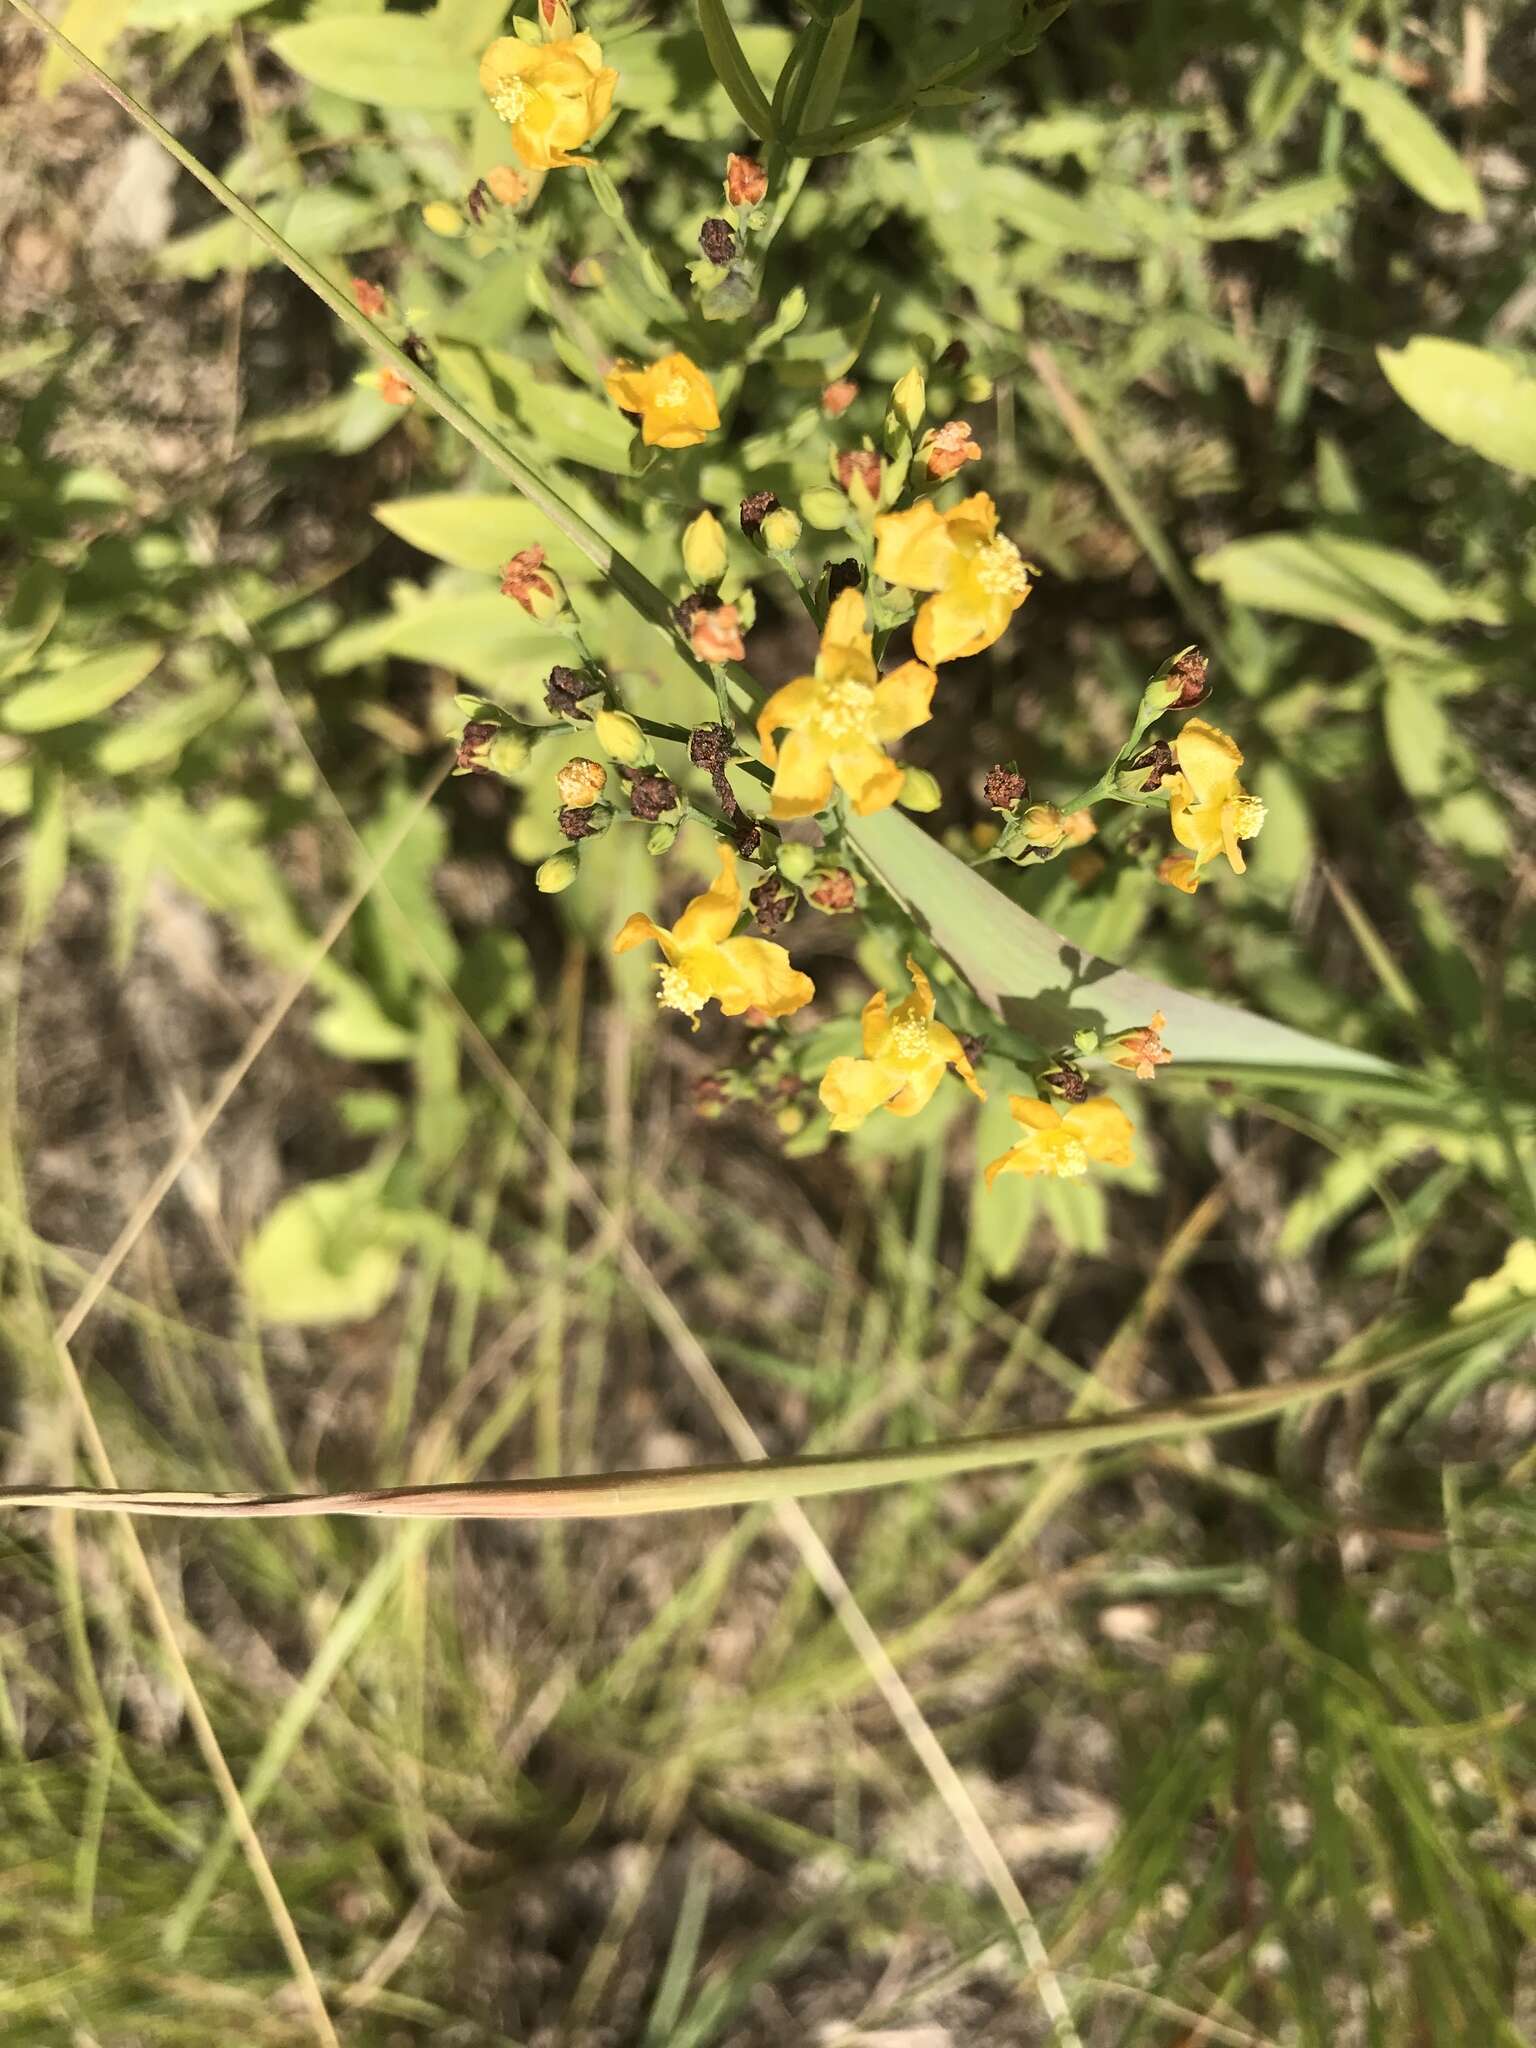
{"x": 607, "y": 1496}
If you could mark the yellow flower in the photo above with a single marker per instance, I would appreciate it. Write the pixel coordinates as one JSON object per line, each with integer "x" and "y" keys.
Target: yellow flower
{"x": 1209, "y": 809}
{"x": 553, "y": 96}
{"x": 1062, "y": 1143}
{"x": 976, "y": 574}
{"x": 674, "y": 398}
{"x": 906, "y": 1051}
{"x": 703, "y": 962}
{"x": 837, "y": 719}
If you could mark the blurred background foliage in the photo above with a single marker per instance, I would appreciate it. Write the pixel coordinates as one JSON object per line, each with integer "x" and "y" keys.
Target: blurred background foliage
{"x": 1248, "y": 1722}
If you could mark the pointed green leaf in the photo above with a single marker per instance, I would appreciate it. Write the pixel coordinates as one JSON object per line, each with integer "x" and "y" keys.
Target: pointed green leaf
{"x": 1412, "y": 145}
{"x": 1475, "y": 398}
{"x": 384, "y": 60}
{"x": 65, "y": 696}
{"x": 1048, "y": 988}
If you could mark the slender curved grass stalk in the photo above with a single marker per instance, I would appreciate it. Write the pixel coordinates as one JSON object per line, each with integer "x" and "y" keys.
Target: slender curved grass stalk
{"x": 607, "y": 1496}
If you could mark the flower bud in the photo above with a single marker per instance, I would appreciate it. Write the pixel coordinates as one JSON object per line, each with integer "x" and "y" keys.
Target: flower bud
{"x": 714, "y": 633}
{"x": 371, "y": 298}
{"x": 475, "y": 746}
{"x": 536, "y": 587}
{"x": 858, "y": 470}
{"x": 909, "y": 399}
{"x": 555, "y": 20}
{"x": 1179, "y": 684}
{"x": 660, "y": 838}
{"x": 795, "y": 860}
{"x": 976, "y": 388}
{"x": 945, "y": 449}
{"x": 1042, "y": 825}
{"x": 442, "y": 218}
{"x": 621, "y": 738}
{"x": 510, "y": 752}
{"x": 746, "y": 182}
{"x": 581, "y": 782}
{"x": 781, "y": 531}
{"x": 825, "y": 508}
{"x": 704, "y": 551}
{"x": 506, "y": 186}
{"x": 838, "y": 396}
{"x": 789, "y": 1121}
{"x": 558, "y": 872}
{"x": 919, "y": 791}
{"x": 835, "y": 891}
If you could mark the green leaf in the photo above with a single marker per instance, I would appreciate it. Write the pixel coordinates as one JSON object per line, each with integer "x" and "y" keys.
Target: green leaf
{"x": 1379, "y": 593}
{"x": 1477, "y": 399}
{"x": 1412, "y": 145}
{"x": 1436, "y": 766}
{"x": 325, "y": 1255}
{"x": 162, "y": 735}
{"x": 388, "y": 60}
{"x": 47, "y": 848}
{"x": 30, "y": 617}
{"x": 479, "y": 530}
{"x": 1281, "y": 210}
{"x": 485, "y": 638}
{"x": 1048, "y": 988}
{"x": 729, "y": 63}
{"x": 65, "y": 696}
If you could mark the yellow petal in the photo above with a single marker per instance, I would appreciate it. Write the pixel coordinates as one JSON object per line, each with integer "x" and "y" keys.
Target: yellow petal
{"x": 1197, "y": 826}
{"x": 974, "y": 517}
{"x": 584, "y": 47}
{"x": 1208, "y": 759}
{"x": 853, "y": 1089}
{"x": 869, "y": 775}
{"x": 710, "y": 917}
{"x": 846, "y": 629}
{"x": 922, "y": 989}
{"x": 915, "y": 549}
{"x": 636, "y": 930}
{"x": 507, "y": 58}
{"x": 918, "y": 1091}
{"x": 903, "y": 700}
{"x": 755, "y": 974}
{"x": 949, "y": 1049}
{"x": 948, "y": 628}
{"x": 789, "y": 706}
{"x": 1017, "y": 1160}
{"x": 625, "y": 384}
{"x": 802, "y": 782}
{"x": 1033, "y": 1114}
{"x": 875, "y": 1026}
{"x": 1104, "y": 1128}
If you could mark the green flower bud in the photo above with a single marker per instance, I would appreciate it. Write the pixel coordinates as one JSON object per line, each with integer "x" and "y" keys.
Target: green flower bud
{"x": 558, "y": 872}
{"x": 660, "y": 838}
{"x": 1087, "y": 1042}
{"x": 1042, "y": 825}
{"x": 909, "y": 399}
{"x": 510, "y": 752}
{"x": 620, "y": 738}
{"x": 824, "y": 507}
{"x": 919, "y": 791}
{"x": 976, "y": 388}
{"x": 704, "y": 551}
{"x": 795, "y": 860}
{"x": 555, "y": 20}
{"x": 781, "y": 531}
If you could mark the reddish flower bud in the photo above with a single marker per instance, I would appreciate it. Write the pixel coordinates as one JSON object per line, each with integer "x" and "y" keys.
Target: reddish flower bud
{"x": 746, "y": 182}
